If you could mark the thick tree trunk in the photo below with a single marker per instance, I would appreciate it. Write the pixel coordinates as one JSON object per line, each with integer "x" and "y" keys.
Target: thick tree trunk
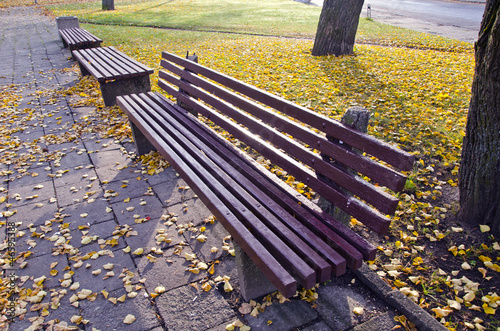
{"x": 337, "y": 27}
{"x": 480, "y": 165}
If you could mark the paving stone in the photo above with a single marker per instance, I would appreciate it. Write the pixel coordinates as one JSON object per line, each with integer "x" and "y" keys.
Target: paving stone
{"x": 31, "y": 214}
{"x": 199, "y": 309}
{"x": 169, "y": 271}
{"x": 29, "y": 179}
{"x": 87, "y": 213}
{"x": 170, "y": 193}
{"x": 215, "y": 234}
{"x": 381, "y": 322}
{"x": 97, "y": 283}
{"x": 74, "y": 177}
{"x": 76, "y": 193}
{"x": 133, "y": 189}
{"x": 191, "y": 210}
{"x": 167, "y": 175}
{"x": 40, "y": 195}
{"x": 97, "y": 144}
{"x": 103, "y": 230}
{"x": 104, "y": 315}
{"x": 322, "y": 326}
{"x": 335, "y": 305}
{"x": 39, "y": 266}
{"x": 286, "y": 316}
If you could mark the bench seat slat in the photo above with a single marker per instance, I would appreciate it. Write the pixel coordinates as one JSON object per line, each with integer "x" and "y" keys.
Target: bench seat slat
{"x": 305, "y": 274}
{"x": 132, "y": 63}
{"x": 120, "y": 62}
{"x": 369, "y": 216}
{"x": 364, "y": 142}
{"x": 380, "y": 199}
{"x": 376, "y": 171}
{"x": 255, "y": 250}
{"x": 94, "y": 68}
{"x": 270, "y": 212}
{"x": 219, "y": 151}
{"x": 112, "y": 66}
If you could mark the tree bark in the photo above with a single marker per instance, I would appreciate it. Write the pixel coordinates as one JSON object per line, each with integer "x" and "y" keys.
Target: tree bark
{"x": 480, "y": 166}
{"x": 337, "y": 27}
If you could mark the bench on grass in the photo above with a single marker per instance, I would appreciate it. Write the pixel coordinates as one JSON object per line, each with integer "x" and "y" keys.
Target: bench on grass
{"x": 288, "y": 237}
{"x": 78, "y": 38}
{"x": 117, "y": 73}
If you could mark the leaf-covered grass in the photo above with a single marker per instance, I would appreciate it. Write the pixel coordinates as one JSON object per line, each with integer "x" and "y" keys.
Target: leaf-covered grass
{"x": 418, "y": 98}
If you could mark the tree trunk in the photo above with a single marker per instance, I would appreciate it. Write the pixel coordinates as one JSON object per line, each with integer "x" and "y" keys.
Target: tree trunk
{"x": 480, "y": 165}
{"x": 108, "y": 4}
{"x": 337, "y": 27}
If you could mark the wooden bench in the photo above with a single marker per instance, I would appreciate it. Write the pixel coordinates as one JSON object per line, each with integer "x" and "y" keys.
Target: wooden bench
{"x": 78, "y": 38}
{"x": 117, "y": 73}
{"x": 287, "y": 236}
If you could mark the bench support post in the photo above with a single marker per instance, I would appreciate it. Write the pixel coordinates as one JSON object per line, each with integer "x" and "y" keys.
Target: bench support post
{"x": 253, "y": 283}
{"x": 356, "y": 118}
{"x": 142, "y": 144}
{"x": 67, "y": 22}
{"x": 123, "y": 87}
{"x": 83, "y": 70}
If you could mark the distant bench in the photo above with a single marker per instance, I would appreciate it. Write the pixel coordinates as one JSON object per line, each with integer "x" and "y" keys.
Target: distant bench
{"x": 78, "y": 38}
{"x": 288, "y": 237}
{"x": 117, "y": 73}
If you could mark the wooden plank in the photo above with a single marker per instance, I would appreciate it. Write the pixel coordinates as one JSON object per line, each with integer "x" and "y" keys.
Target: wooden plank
{"x": 89, "y": 36}
{"x": 94, "y": 65}
{"x": 366, "y": 191}
{"x": 188, "y": 161}
{"x": 369, "y": 216}
{"x": 361, "y": 141}
{"x": 376, "y": 171}
{"x": 109, "y": 63}
{"x": 120, "y": 62}
{"x": 131, "y": 60}
{"x": 94, "y": 70}
{"x": 256, "y": 200}
{"x": 280, "y": 192}
{"x": 278, "y": 276}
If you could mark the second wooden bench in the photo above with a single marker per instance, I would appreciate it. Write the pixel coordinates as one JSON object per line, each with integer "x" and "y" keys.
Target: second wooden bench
{"x": 117, "y": 73}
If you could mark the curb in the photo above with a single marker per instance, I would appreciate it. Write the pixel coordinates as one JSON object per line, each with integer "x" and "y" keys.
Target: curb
{"x": 397, "y": 300}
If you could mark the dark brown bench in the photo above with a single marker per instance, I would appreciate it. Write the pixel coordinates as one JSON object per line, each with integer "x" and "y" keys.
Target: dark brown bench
{"x": 117, "y": 73}
{"x": 288, "y": 237}
{"x": 78, "y": 38}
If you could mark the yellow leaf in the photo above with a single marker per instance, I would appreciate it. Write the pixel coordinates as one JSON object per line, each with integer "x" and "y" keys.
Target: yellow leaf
{"x": 441, "y": 312}
{"x": 488, "y": 310}
{"x": 129, "y": 319}
{"x": 484, "y": 228}
{"x": 358, "y": 310}
{"x": 138, "y": 251}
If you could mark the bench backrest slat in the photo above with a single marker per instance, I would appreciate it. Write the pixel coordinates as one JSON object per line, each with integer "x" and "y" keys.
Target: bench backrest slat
{"x": 361, "y": 141}
{"x": 376, "y": 171}
{"x": 381, "y": 200}
{"x": 366, "y": 214}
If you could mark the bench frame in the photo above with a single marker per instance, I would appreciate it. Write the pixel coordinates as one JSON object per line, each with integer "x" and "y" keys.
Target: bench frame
{"x": 117, "y": 73}
{"x": 286, "y": 236}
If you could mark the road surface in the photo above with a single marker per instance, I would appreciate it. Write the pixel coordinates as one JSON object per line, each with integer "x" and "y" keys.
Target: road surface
{"x": 453, "y": 19}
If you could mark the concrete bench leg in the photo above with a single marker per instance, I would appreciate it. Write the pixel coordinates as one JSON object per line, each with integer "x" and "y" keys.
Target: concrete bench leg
{"x": 253, "y": 283}
{"x": 115, "y": 88}
{"x": 142, "y": 144}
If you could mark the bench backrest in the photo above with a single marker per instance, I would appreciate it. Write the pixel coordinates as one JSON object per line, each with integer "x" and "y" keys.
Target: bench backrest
{"x": 292, "y": 137}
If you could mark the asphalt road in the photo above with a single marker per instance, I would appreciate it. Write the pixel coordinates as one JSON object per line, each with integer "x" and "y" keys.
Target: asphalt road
{"x": 453, "y": 19}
